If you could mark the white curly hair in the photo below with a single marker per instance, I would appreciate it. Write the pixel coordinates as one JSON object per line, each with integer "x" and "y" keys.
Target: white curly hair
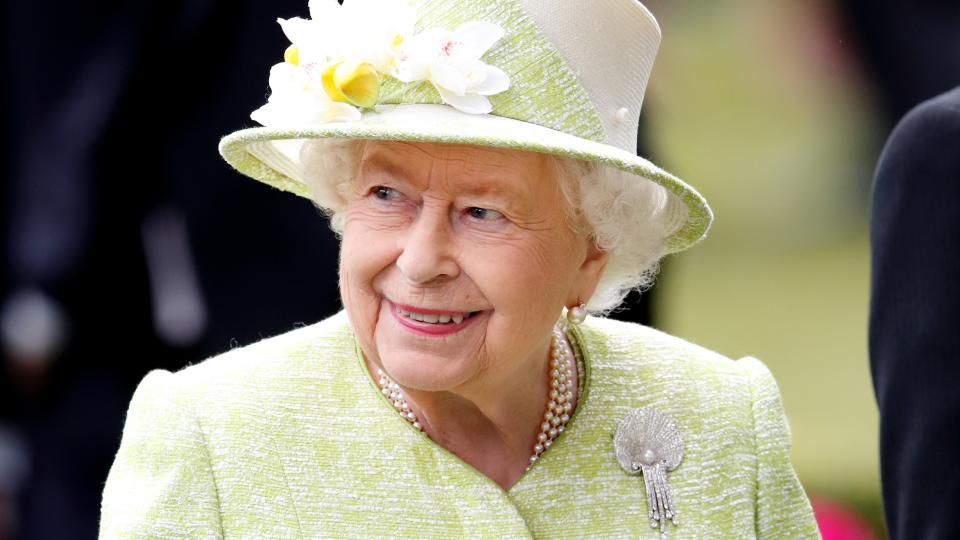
{"x": 627, "y": 216}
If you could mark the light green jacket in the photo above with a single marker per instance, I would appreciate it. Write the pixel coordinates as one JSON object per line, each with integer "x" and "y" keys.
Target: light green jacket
{"x": 291, "y": 438}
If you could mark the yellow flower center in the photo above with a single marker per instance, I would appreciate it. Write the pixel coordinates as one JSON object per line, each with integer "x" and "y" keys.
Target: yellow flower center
{"x": 292, "y": 55}
{"x": 356, "y": 83}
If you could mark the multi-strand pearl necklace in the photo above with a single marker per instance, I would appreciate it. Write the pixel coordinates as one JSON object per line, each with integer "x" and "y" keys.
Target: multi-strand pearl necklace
{"x": 559, "y": 406}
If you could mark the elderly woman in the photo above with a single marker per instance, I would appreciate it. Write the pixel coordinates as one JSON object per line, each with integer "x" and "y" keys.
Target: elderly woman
{"x": 476, "y": 158}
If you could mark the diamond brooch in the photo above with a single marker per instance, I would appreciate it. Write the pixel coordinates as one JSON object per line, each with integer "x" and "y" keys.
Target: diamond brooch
{"x": 646, "y": 442}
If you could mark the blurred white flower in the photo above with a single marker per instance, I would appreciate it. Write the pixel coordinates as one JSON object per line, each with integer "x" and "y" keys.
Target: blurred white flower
{"x": 357, "y": 32}
{"x": 375, "y": 30}
{"x": 451, "y": 62}
{"x": 309, "y": 44}
{"x": 337, "y": 58}
{"x": 297, "y": 98}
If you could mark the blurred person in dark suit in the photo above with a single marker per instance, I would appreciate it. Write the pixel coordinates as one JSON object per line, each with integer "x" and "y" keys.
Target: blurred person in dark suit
{"x": 914, "y": 319}
{"x": 101, "y": 283}
{"x": 911, "y": 51}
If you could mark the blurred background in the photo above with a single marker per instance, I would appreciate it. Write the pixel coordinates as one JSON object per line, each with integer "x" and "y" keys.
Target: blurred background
{"x": 129, "y": 245}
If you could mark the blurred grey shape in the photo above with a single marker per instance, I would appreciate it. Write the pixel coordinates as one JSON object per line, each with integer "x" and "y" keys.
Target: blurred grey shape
{"x": 179, "y": 313}
{"x": 33, "y": 326}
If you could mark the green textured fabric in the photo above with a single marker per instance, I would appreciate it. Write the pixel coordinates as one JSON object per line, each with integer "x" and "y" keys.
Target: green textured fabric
{"x": 291, "y": 438}
{"x": 543, "y": 90}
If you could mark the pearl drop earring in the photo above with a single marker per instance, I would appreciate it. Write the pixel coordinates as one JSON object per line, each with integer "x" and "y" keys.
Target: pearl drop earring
{"x": 577, "y": 314}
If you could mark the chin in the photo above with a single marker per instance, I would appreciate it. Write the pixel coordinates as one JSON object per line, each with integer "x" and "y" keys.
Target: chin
{"x": 427, "y": 372}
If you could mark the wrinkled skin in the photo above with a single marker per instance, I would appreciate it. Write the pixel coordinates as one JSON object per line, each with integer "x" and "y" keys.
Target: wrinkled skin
{"x": 464, "y": 229}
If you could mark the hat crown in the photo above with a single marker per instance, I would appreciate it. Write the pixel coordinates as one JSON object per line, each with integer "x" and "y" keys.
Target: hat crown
{"x": 611, "y": 46}
{"x": 577, "y": 67}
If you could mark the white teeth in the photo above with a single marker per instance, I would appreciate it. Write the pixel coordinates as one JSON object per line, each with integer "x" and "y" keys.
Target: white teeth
{"x": 433, "y": 319}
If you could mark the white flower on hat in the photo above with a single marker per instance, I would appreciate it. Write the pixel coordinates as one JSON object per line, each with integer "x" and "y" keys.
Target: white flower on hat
{"x": 331, "y": 67}
{"x": 359, "y": 31}
{"x": 297, "y": 98}
{"x": 451, "y": 62}
{"x": 337, "y": 59}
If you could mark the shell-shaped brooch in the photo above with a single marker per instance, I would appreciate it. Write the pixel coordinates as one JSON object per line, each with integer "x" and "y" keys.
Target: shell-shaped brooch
{"x": 646, "y": 442}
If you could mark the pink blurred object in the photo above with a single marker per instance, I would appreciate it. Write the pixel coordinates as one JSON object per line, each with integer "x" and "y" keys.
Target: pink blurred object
{"x": 839, "y": 522}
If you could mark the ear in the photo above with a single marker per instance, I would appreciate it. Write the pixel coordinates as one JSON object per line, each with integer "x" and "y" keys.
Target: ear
{"x": 589, "y": 273}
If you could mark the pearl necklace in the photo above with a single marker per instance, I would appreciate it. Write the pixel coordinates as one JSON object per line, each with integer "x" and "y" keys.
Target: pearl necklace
{"x": 559, "y": 406}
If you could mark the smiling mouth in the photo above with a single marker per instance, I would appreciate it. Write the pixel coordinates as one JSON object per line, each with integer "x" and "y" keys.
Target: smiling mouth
{"x": 436, "y": 318}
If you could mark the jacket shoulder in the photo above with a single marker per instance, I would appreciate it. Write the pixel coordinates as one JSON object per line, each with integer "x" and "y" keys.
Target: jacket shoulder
{"x": 289, "y": 353}
{"x": 648, "y": 366}
{"x": 630, "y": 345}
{"x": 725, "y": 408}
{"x": 920, "y": 153}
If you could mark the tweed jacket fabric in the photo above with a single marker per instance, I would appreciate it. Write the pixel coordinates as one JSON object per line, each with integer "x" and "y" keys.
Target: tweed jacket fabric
{"x": 291, "y": 438}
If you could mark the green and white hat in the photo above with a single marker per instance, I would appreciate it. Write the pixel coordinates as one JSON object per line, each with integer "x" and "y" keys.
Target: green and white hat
{"x": 554, "y": 76}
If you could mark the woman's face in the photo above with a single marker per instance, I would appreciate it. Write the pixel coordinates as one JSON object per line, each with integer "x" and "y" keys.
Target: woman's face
{"x": 457, "y": 260}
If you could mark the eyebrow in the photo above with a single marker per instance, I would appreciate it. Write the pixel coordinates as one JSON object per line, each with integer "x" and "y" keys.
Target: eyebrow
{"x": 377, "y": 160}
{"x": 497, "y": 185}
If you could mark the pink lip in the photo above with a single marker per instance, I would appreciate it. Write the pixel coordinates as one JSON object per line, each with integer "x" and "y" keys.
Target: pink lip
{"x": 429, "y": 329}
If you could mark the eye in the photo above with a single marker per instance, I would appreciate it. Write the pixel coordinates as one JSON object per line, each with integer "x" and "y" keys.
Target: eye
{"x": 385, "y": 193}
{"x": 484, "y": 214}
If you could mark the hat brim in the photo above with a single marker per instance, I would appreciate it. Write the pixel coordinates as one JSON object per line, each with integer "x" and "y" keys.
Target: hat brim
{"x": 271, "y": 155}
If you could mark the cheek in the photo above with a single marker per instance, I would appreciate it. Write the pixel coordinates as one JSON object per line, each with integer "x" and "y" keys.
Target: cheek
{"x": 529, "y": 280}
{"x": 367, "y": 247}
{"x": 365, "y": 252}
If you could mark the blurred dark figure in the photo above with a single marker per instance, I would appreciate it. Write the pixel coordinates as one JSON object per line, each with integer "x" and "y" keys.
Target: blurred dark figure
{"x": 914, "y": 320}
{"x": 127, "y": 243}
{"x": 910, "y": 49}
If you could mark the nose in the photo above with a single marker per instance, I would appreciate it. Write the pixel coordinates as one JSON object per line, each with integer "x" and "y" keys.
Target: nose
{"x": 427, "y": 250}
